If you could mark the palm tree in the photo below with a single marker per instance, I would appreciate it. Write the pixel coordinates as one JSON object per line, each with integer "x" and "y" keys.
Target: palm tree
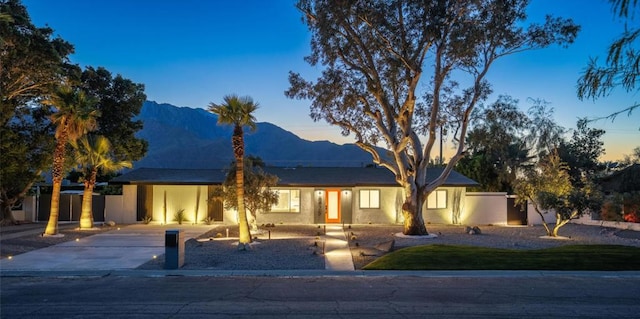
{"x": 74, "y": 117}
{"x": 238, "y": 111}
{"x": 93, "y": 154}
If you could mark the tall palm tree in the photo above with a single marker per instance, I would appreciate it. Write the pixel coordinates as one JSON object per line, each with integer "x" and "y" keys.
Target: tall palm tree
{"x": 238, "y": 111}
{"x": 93, "y": 154}
{"x": 74, "y": 117}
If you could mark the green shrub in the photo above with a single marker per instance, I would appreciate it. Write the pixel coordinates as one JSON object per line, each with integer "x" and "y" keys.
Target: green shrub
{"x": 612, "y": 210}
{"x": 180, "y": 216}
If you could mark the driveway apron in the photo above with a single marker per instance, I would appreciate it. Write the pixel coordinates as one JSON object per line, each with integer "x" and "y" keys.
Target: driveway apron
{"x": 125, "y": 248}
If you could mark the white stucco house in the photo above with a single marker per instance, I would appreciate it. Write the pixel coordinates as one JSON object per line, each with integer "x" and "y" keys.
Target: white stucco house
{"x": 307, "y": 195}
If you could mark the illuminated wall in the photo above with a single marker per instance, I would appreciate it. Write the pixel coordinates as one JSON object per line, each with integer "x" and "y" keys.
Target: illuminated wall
{"x": 391, "y": 199}
{"x": 440, "y": 215}
{"x": 187, "y": 197}
{"x": 534, "y": 218}
{"x": 484, "y": 208}
{"x": 477, "y": 208}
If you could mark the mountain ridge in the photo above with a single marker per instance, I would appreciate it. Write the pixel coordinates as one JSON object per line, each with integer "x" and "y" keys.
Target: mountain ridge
{"x": 185, "y": 137}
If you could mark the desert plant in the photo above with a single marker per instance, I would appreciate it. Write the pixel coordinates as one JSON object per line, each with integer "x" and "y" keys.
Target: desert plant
{"x": 180, "y": 216}
{"x": 208, "y": 220}
{"x": 147, "y": 219}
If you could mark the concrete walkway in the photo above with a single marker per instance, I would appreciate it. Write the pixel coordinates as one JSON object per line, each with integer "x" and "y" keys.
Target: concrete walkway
{"x": 134, "y": 245}
{"x": 337, "y": 255}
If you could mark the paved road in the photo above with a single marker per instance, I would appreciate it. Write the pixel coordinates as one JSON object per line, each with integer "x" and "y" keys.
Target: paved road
{"x": 421, "y": 295}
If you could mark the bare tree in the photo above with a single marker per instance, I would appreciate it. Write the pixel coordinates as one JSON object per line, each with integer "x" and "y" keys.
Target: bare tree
{"x": 375, "y": 57}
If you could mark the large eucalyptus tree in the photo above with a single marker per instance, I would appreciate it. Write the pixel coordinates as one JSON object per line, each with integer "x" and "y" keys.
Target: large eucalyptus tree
{"x": 395, "y": 70}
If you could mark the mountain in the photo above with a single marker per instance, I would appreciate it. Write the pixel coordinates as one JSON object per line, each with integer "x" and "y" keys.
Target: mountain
{"x": 184, "y": 137}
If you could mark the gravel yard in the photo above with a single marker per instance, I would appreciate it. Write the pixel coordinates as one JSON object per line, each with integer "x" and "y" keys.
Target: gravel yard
{"x": 282, "y": 247}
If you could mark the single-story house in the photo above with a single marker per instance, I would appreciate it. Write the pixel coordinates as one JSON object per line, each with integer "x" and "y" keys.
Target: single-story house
{"x": 307, "y": 195}
{"x": 622, "y": 181}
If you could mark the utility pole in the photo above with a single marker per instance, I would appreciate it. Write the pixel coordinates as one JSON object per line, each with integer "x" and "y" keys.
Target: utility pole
{"x": 441, "y": 160}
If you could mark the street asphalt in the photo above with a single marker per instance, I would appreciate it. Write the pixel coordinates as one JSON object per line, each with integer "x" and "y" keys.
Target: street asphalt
{"x": 72, "y": 289}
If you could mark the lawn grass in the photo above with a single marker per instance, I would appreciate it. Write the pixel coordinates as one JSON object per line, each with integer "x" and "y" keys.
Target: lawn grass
{"x": 456, "y": 257}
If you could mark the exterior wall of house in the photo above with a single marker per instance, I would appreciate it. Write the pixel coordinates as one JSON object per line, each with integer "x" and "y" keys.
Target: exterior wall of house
{"x": 113, "y": 209}
{"x": 484, "y": 208}
{"x": 389, "y": 212}
{"x": 476, "y": 208}
{"x": 28, "y": 211}
{"x": 305, "y": 216}
{"x": 442, "y": 215}
{"x": 534, "y": 218}
{"x": 129, "y": 203}
{"x": 191, "y": 198}
{"x": 116, "y": 210}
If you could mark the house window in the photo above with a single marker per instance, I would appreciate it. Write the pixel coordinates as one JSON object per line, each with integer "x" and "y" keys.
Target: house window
{"x": 369, "y": 198}
{"x": 437, "y": 199}
{"x": 288, "y": 201}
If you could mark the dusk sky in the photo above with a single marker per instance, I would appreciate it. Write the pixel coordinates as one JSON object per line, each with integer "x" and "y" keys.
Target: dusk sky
{"x": 193, "y": 52}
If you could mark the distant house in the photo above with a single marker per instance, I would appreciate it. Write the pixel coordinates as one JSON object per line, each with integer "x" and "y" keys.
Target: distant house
{"x": 307, "y": 195}
{"x": 622, "y": 181}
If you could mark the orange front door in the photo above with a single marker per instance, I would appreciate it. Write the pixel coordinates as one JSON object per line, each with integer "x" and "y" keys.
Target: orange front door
{"x": 332, "y": 215}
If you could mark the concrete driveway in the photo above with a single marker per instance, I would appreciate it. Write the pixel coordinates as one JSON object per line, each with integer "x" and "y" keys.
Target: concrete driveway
{"x": 125, "y": 248}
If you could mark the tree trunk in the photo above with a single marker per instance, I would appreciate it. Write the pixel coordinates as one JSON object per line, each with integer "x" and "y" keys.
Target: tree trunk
{"x": 57, "y": 172}
{"x": 555, "y": 230}
{"x": 413, "y": 219}
{"x": 198, "y": 191}
{"x": 561, "y": 222}
{"x": 86, "y": 217}
{"x": 544, "y": 222}
{"x": 52, "y": 224}
{"x": 238, "y": 151}
{"x": 7, "y": 216}
{"x": 5, "y": 204}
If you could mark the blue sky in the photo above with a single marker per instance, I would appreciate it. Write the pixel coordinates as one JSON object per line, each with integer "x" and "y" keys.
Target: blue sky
{"x": 193, "y": 52}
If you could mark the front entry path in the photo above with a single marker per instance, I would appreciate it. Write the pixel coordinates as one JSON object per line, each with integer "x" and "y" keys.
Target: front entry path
{"x": 337, "y": 256}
